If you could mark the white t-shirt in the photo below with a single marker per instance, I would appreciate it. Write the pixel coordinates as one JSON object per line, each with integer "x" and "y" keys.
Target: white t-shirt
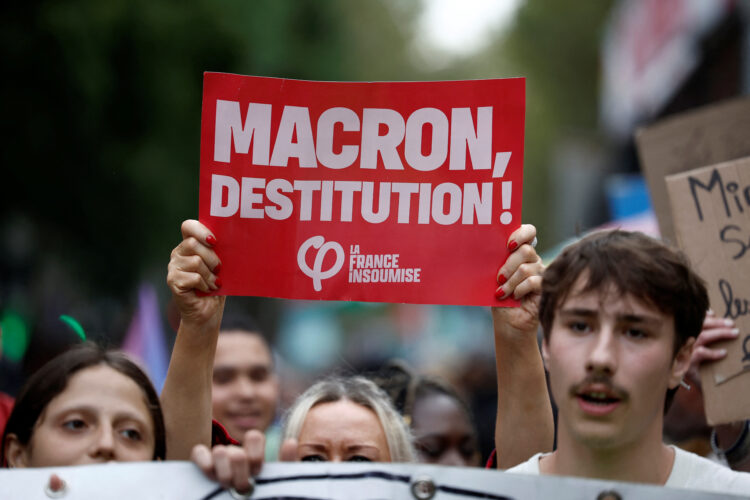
{"x": 690, "y": 471}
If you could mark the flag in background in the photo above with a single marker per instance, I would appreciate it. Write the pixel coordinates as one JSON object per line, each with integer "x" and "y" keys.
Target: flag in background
{"x": 145, "y": 337}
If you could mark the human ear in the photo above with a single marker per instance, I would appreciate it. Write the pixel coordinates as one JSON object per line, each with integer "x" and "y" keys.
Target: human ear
{"x": 15, "y": 452}
{"x": 545, "y": 354}
{"x": 681, "y": 363}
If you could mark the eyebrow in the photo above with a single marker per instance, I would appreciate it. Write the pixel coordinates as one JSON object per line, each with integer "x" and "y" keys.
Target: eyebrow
{"x": 64, "y": 411}
{"x": 314, "y": 446}
{"x": 242, "y": 367}
{"x": 578, "y": 311}
{"x": 439, "y": 435}
{"x": 353, "y": 447}
{"x": 92, "y": 410}
{"x": 356, "y": 447}
{"x": 627, "y": 318}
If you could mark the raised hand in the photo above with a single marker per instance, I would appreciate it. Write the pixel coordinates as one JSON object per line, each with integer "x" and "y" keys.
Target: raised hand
{"x": 193, "y": 268}
{"x": 520, "y": 277}
{"x": 704, "y": 350}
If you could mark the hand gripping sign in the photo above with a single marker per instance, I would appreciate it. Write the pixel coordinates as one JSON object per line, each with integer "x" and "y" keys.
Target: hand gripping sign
{"x": 384, "y": 192}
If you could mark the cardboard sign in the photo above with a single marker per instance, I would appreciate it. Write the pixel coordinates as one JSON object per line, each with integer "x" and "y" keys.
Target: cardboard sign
{"x": 706, "y": 136}
{"x": 332, "y": 481}
{"x": 711, "y": 208}
{"x": 384, "y": 192}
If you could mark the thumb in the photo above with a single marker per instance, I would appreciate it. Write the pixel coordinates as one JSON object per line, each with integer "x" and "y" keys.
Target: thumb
{"x": 202, "y": 457}
{"x": 288, "y": 451}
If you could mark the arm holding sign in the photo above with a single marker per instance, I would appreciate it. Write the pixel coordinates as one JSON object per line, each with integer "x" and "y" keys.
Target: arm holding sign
{"x": 186, "y": 397}
{"x": 524, "y": 424}
{"x": 729, "y": 440}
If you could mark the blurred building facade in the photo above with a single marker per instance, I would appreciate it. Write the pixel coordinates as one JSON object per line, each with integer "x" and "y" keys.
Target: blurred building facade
{"x": 658, "y": 58}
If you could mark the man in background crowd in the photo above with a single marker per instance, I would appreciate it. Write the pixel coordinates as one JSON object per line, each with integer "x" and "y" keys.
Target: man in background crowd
{"x": 245, "y": 386}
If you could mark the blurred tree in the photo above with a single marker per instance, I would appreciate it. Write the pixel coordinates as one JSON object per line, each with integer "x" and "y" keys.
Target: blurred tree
{"x": 102, "y": 114}
{"x": 555, "y": 46}
{"x": 102, "y": 105}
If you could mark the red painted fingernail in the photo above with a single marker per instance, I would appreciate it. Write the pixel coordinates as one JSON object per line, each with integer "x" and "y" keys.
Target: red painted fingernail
{"x": 217, "y": 268}
{"x": 512, "y": 245}
{"x": 501, "y": 279}
{"x": 217, "y": 282}
{"x": 499, "y": 294}
{"x": 211, "y": 239}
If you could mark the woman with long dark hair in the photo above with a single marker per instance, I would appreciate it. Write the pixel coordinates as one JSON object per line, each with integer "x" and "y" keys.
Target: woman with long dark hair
{"x": 87, "y": 405}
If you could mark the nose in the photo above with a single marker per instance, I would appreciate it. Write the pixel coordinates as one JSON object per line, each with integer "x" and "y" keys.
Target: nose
{"x": 602, "y": 358}
{"x": 245, "y": 387}
{"x": 452, "y": 456}
{"x": 103, "y": 447}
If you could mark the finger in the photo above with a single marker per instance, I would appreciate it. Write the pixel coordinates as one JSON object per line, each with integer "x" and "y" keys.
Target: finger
{"x": 192, "y": 246}
{"x": 254, "y": 444}
{"x": 239, "y": 468}
{"x": 193, "y": 228}
{"x": 191, "y": 264}
{"x": 222, "y": 465}
{"x": 714, "y": 322}
{"x": 530, "y": 286}
{"x": 708, "y": 337}
{"x": 523, "y": 235}
{"x": 288, "y": 451}
{"x": 701, "y": 354}
{"x": 201, "y": 456}
{"x": 181, "y": 282}
{"x": 524, "y": 254}
{"x": 524, "y": 272}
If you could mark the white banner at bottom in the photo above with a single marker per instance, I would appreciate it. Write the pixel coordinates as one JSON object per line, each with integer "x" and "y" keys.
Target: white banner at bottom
{"x": 318, "y": 481}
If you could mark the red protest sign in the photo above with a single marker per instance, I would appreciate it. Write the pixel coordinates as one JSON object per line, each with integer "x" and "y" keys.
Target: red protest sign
{"x": 383, "y": 192}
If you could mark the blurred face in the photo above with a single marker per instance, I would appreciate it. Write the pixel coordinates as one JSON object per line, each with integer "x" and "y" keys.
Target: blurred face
{"x": 610, "y": 360}
{"x": 245, "y": 389}
{"x": 342, "y": 431}
{"x": 443, "y": 433}
{"x": 101, "y": 416}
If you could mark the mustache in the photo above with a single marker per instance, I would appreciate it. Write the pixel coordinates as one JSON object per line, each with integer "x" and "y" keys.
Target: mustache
{"x": 600, "y": 380}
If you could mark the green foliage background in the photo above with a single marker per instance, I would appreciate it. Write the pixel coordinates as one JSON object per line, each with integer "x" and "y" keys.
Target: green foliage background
{"x": 101, "y": 108}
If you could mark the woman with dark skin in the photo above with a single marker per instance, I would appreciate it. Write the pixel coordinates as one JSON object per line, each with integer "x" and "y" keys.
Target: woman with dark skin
{"x": 440, "y": 421}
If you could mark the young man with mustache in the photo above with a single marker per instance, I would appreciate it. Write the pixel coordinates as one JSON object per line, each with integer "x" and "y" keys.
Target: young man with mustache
{"x": 620, "y": 313}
